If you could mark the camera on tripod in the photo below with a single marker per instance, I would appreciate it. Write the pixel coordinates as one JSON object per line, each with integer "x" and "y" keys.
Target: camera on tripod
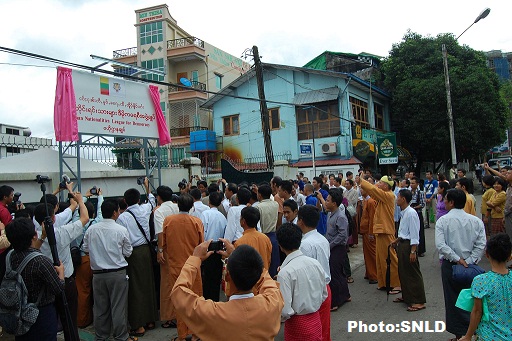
{"x": 41, "y": 179}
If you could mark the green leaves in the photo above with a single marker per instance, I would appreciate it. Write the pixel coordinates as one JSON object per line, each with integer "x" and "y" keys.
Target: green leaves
{"x": 414, "y": 75}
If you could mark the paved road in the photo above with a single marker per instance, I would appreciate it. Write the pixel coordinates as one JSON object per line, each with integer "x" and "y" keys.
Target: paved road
{"x": 369, "y": 306}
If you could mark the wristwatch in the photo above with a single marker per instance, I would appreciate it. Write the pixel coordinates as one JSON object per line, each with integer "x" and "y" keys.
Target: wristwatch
{"x": 160, "y": 250}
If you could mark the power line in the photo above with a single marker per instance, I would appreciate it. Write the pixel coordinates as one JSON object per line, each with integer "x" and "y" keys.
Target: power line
{"x": 32, "y": 65}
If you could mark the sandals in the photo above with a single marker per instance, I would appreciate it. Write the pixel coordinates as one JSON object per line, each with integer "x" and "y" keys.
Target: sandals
{"x": 398, "y": 300}
{"x": 169, "y": 324}
{"x": 395, "y": 291}
{"x": 150, "y": 326}
{"x": 350, "y": 279}
{"x": 137, "y": 334}
{"x": 411, "y": 308}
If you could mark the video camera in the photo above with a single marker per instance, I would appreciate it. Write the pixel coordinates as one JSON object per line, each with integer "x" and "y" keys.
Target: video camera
{"x": 41, "y": 179}
{"x": 64, "y": 182}
{"x": 16, "y": 199}
{"x": 182, "y": 184}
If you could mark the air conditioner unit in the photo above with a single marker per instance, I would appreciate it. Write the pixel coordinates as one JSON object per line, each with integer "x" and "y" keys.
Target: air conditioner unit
{"x": 329, "y": 148}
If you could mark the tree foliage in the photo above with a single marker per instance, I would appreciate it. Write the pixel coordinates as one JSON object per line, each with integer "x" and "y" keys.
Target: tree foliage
{"x": 414, "y": 75}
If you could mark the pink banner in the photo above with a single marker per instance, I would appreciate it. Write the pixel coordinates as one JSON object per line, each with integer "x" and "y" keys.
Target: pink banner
{"x": 163, "y": 132}
{"x": 64, "y": 111}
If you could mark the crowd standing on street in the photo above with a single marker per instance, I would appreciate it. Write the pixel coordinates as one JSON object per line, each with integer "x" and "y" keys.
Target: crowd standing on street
{"x": 278, "y": 250}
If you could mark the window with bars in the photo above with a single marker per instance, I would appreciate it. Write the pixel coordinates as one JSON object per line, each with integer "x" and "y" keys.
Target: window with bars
{"x": 151, "y": 33}
{"x": 360, "y": 112}
{"x": 231, "y": 125}
{"x": 321, "y": 120}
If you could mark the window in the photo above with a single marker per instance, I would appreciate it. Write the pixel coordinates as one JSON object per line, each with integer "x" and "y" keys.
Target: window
{"x": 12, "y": 150}
{"x": 275, "y": 122}
{"x": 151, "y": 33}
{"x": 231, "y": 125}
{"x": 154, "y": 64}
{"x": 360, "y": 112}
{"x": 218, "y": 80}
{"x": 195, "y": 76}
{"x": 162, "y": 106}
{"x": 379, "y": 116}
{"x": 321, "y": 120}
{"x": 11, "y": 131}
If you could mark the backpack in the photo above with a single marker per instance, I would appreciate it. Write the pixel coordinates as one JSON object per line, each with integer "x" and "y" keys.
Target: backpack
{"x": 17, "y": 315}
{"x": 351, "y": 223}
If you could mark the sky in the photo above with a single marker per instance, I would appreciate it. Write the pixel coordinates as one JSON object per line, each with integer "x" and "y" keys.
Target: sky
{"x": 286, "y": 32}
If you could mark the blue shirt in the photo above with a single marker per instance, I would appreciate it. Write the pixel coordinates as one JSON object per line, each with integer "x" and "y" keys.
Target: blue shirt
{"x": 214, "y": 224}
{"x": 430, "y": 187}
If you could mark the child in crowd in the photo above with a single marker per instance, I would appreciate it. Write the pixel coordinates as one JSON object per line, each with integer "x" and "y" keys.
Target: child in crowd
{"x": 496, "y": 287}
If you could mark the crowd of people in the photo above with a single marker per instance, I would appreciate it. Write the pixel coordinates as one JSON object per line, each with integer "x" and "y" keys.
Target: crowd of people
{"x": 278, "y": 251}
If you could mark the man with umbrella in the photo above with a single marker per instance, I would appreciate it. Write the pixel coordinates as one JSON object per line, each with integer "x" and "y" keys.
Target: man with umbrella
{"x": 384, "y": 230}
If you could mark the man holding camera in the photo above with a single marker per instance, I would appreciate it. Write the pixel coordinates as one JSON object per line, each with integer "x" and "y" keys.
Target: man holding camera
{"x": 142, "y": 310}
{"x": 214, "y": 224}
{"x": 64, "y": 236}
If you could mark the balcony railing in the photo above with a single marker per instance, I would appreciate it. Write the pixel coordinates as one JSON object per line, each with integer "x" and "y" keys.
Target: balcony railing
{"x": 183, "y": 42}
{"x": 132, "y": 51}
{"x": 195, "y": 86}
{"x": 185, "y": 131}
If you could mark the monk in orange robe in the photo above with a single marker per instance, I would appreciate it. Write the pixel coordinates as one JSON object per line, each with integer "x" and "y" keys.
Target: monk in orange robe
{"x": 366, "y": 229}
{"x": 384, "y": 229}
{"x": 181, "y": 234}
{"x": 248, "y": 220}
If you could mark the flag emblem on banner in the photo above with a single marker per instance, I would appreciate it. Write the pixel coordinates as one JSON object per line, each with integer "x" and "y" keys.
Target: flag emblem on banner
{"x": 104, "y": 86}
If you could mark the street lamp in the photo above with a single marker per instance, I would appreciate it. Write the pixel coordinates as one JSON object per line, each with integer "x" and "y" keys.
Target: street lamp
{"x": 482, "y": 15}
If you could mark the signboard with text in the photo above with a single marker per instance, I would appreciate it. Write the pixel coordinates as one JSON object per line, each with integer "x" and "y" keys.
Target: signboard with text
{"x": 305, "y": 149}
{"x": 113, "y": 106}
{"x": 386, "y": 144}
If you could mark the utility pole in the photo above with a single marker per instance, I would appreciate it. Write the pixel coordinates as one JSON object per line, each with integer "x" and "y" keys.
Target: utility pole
{"x": 263, "y": 108}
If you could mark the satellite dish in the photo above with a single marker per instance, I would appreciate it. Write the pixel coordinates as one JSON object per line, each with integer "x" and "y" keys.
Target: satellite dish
{"x": 185, "y": 81}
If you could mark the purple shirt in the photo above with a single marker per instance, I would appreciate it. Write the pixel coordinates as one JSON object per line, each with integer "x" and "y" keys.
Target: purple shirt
{"x": 441, "y": 209}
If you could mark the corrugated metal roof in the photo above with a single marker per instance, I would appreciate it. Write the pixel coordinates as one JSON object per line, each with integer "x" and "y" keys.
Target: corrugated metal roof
{"x": 315, "y": 96}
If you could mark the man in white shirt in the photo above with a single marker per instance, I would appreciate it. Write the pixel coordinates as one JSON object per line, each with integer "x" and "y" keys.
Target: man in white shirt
{"x": 142, "y": 310}
{"x": 165, "y": 208}
{"x": 231, "y": 189}
{"x": 233, "y": 229}
{"x": 64, "y": 236}
{"x": 302, "y": 284}
{"x": 413, "y": 289}
{"x": 108, "y": 244}
{"x": 316, "y": 246}
{"x": 460, "y": 239}
{"x": 214, "y": 224}
{"x": 290, "y": 211}
{"x": 199, "y": 207}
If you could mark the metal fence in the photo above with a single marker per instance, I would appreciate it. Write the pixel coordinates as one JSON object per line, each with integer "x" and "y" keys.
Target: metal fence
{"x": 129, "y": 153}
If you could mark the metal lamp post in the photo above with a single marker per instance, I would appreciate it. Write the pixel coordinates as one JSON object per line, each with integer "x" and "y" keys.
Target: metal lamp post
{"x": 482, "y": 15}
